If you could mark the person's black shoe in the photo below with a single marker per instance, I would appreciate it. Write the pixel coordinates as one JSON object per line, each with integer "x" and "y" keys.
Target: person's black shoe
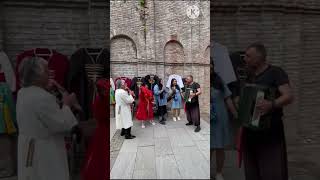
{"x": 162, "y": 122}
{"x": 129, "y": 133}
{"x": 197, "y": 129}
{"x": 189, "y": 124}
{"x": 132, "y": 136}
{"x": 123, "y": 132}
{"x": 129, "y": 137}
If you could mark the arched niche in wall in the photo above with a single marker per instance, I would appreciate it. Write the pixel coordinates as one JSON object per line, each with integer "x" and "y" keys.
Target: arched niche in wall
{"x": 174, "y": 58}
{"x": 123, "y": 48}
{"x": 123, "y": 56}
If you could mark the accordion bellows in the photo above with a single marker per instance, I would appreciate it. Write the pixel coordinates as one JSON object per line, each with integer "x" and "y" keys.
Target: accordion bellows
{"x": 248, "y": 115}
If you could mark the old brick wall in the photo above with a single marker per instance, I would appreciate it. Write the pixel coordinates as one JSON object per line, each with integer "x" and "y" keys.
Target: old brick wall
{"x": 173, "y": 44}
{"x": 290, "y": 30}
{"x": 57, "y": 24}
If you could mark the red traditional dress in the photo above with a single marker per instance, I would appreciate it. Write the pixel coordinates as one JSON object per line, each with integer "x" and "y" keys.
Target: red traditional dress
{"x": 97, "y": 163}
{"x": 145, "y": 106}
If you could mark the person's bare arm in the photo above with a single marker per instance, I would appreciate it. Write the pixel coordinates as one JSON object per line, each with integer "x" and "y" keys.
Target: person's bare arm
{"x": 236, "y": 101}
{"x": 231, "y": 107}
{"x": 199, "y": 92}
{"x": 286, "y": 97}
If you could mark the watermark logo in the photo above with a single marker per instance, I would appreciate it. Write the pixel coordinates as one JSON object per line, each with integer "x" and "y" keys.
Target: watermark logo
{"x": 193, "y": 12}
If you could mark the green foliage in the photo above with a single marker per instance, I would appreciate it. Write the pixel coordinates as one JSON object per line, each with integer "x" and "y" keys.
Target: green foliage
{"x": 142, "y": 3}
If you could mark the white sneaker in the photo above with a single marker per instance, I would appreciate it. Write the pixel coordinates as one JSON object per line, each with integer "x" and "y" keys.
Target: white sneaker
{"x": 219, "y": 177}
{"x": 174, "y": 119}
{"x": 153, "y": 123}
{"x": 143, "y": 126}
{"x": 179, "y": 118}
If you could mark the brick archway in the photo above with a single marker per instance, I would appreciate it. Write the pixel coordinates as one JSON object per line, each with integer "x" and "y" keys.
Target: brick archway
{"x": 123, "y": 51}
{"x": 173, "y": 58}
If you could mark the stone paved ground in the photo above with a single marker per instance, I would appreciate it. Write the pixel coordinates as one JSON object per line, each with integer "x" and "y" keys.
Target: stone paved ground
{"x": 166, "y": 151}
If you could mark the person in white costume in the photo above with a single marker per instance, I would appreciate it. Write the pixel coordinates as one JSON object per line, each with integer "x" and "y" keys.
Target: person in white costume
{"x": 42, "y": 124}
{"x": 124, "y": 99}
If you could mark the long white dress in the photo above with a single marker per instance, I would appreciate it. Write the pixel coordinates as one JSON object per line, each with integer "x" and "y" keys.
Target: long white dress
{"x": 42, "y": 121}
{"x": 123, "y": 109}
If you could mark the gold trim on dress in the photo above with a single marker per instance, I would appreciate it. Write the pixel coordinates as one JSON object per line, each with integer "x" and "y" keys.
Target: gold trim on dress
{"x": 30, "y": 155}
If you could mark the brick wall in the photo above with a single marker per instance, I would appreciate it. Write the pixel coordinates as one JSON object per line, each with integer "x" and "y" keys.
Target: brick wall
{"x": 57, "y": 24}
{"x": 171, "y": 45}
{"x": 290, "y": 31}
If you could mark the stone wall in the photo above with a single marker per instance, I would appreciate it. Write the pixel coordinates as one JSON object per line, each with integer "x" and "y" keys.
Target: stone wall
{"x": 56, "y": 24}
{"x": 174, "y": 44}
{"x": 290, "y": 30}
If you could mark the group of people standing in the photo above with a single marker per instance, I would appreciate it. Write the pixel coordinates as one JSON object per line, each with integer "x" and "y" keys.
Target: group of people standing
{"x": 263, "y": 151}
{"x": 161, "y": 96}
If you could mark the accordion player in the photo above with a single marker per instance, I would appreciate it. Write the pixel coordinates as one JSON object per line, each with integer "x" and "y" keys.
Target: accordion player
{"x": 249, "y": 115}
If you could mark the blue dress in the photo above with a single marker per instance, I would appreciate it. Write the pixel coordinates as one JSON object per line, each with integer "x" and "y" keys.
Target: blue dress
{"x": 220, "y": 129}
{"x": 176, "y": 101}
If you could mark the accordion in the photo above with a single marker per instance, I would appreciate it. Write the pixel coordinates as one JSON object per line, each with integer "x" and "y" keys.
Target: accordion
{"x": 187, "y": 98}
{"x": 248, "y": 113}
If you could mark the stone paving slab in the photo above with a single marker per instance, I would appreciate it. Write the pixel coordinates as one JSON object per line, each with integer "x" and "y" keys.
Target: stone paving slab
{"x": 166, "y": 151}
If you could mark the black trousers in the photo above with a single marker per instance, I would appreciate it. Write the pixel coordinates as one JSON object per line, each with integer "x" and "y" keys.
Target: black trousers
{"x": 193, "y": 113}
{"x": 265, "y": 155}
{"x": 126, "y": 131}
{"x": 162, "y": 110}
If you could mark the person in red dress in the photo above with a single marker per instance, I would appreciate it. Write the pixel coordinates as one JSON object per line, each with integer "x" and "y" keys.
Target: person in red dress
{"x": 96, "y": 166}
{"x": 145, "y": 106}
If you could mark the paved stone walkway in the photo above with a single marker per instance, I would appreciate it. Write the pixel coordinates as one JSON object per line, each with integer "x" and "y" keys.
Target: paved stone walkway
{"x": 172, "y": 151}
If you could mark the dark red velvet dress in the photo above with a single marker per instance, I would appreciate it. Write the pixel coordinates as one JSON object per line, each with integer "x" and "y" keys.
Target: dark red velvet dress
{"x": 97, "y": 163}
{"x": 145, "y": 107}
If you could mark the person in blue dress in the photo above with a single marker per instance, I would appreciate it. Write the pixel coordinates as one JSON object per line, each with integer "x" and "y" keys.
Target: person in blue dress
{"x": 176, "y": 99}
{"x": 161, "y": 94}
{"x": 221, "y": 132}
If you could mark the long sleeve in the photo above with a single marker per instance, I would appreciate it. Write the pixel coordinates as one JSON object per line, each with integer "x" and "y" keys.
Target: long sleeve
{"x": 156, "y": 90}
{"x": 127, "y": 98}
{"x": 55, "y": 119}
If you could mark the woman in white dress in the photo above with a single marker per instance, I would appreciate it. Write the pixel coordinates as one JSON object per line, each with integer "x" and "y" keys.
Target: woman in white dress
{"x": 42, "y": 125}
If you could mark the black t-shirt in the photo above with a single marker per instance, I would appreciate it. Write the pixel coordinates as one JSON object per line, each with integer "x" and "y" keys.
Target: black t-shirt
{"x": 272, "y": 77}
{"x": 194, "y": 87}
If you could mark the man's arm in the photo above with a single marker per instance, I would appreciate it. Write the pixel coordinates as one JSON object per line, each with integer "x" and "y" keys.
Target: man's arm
{"x": 286, "y": 97}
{"x": 199, "y": 92}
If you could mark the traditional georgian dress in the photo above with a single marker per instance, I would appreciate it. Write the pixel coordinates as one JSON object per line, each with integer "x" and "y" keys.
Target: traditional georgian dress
{"x": 145, "y": 106}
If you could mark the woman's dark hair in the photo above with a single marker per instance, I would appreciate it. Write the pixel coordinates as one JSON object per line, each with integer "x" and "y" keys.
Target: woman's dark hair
{"x": 160, "y": 86}
{"x": 177, "y": 86}
{"x": 217, "y": 82}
